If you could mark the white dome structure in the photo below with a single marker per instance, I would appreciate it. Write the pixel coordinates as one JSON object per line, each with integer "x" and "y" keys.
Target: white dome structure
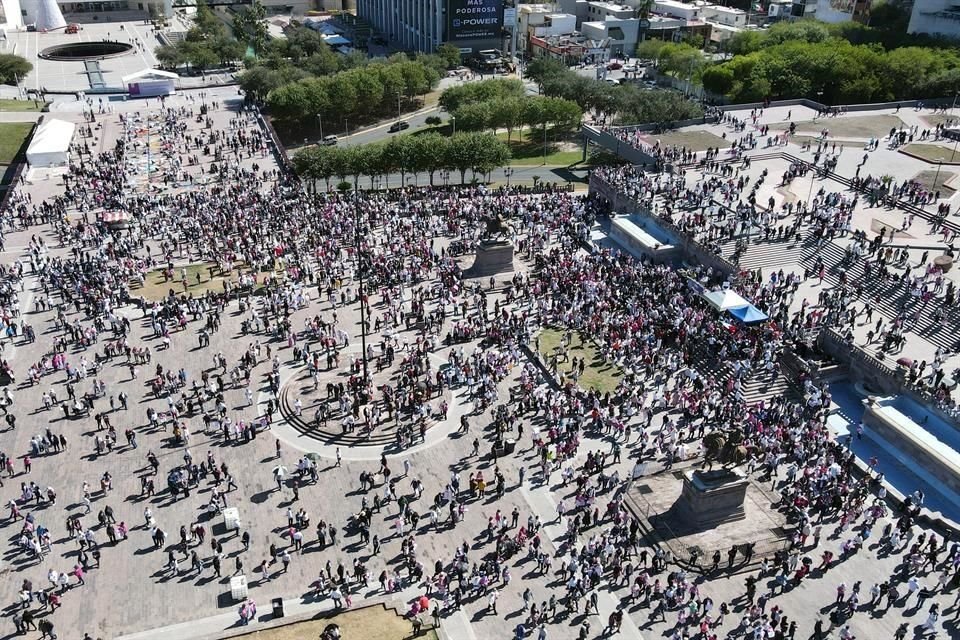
{"x": 47, "y": 14}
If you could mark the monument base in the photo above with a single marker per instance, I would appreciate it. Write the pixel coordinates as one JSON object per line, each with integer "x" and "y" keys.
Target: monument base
{"x": 711, "y": 498}
{"x": 493, "y": 257}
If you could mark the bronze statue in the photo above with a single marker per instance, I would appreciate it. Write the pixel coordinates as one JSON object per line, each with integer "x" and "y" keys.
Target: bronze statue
{"x": 726, "y": 447}
{"x": 497, "y": 228}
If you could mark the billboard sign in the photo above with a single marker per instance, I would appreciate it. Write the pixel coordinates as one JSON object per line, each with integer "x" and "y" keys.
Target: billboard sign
{"x": 474, "y": 19}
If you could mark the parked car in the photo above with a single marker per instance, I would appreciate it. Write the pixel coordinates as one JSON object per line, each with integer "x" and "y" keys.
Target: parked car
{"x": 613, "y": 66}
{"x": 329, "y": 140}
{"x": 399, "y": 126}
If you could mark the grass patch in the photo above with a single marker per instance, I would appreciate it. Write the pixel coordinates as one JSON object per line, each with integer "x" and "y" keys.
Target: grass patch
{"x": 856, "y": 127}
{"x": 932, "y": 153}
{"x": 939, "y": 118}
{"x": 693, "y": 140}
{"x": 529, "y": 150}
{"x": 8, "y": 104}
{"x": 933, "y": 182}
{"x": 366, "y": 622}
{"x": 597, "y": 375}
{"x": 13, "y": 135}
{"x": 155, "y": 287}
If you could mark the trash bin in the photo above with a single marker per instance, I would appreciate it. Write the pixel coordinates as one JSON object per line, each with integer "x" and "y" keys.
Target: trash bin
{"x": 510, "y": 446}
{"x": 277, "y": 607}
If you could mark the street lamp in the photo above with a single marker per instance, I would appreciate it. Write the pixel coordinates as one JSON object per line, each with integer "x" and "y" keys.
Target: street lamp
{"x": 544, "y": 143}
{"x": 954, "y": 105}
{"x": 320, "y": 122}
{"x": 453, "y": 123}
{"x": 937, "y": 177}
{"x": 819, "y": 102}
{"x": 508, "y": 172}
{"x": 346, "y": 126}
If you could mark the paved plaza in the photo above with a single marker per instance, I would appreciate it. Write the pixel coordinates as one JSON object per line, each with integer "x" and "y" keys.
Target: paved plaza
{"x": 231, "y": 392}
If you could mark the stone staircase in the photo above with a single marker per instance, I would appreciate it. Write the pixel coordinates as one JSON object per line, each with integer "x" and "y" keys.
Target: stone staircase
{"x": 887, "y": 299}
{"x": 383, "y": 435}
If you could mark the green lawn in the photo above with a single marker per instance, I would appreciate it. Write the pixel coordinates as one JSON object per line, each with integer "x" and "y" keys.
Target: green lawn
{"x": 12, "y": 137}
{"x": 932, "y": 153}
{"x": 597, "y": 375}
{"x": 7, "y": 104}
{"x": 156, "y": 288}
{"x": 529, "y": 150}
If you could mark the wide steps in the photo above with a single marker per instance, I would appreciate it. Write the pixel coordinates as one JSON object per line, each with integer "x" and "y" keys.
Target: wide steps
{"x": 383, "y": 435}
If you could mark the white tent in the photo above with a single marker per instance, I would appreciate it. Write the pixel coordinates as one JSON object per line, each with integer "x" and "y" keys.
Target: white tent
{"x": 50, "y": 146}
{"x": 150, "y": 82}
{"x": 725, "y": 299}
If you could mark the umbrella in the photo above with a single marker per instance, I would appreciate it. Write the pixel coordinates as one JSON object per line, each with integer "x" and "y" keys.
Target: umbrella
{"x": 905, "y": 362}
{"x": 424, "y": 603}
{"x": 279, "y": 469}
{"x": 313, "y": 456}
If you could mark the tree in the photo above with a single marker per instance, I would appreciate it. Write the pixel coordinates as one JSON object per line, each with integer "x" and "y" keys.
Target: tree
{"x": 449, "y": 54}
{"x": 227, "y": 50}
{"x": 475, "y": 116}
{"x": 400, "y": 151}
{"x": 431, "y": 151}
{"x": 745, "y": 42}
{"x": 168, "y": 56}
{"x": 249, "y": 27}
{"x": 506, "y": 114}
{"x": 259, "y": 81}
{"x": 13, "y": 68}
{"x": 717, "y": 79}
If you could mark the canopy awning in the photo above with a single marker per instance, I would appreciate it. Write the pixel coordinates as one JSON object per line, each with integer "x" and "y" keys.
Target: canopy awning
{"x": 748, "y": 314}
{"x": 725, "y": 299}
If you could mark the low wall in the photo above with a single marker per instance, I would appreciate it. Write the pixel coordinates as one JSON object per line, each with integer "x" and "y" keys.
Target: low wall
{"x": 907, "y": 436}
{"x": 695, "y": 252}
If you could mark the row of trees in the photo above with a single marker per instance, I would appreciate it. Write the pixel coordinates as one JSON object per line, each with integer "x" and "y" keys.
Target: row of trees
{"x": 809, "y": 59}
{"x": 623, "y": 103}
{"x": 360, "y": 92}
{"x": 503, "y": 104}
{"x": 428, "y": 153}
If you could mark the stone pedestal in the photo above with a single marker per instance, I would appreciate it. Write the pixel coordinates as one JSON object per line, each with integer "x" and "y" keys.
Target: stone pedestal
{"x": 711, "y": 498}
{"x": 493, "y": 257}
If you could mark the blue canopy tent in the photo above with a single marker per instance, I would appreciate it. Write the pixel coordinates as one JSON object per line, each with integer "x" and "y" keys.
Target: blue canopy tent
{"x": 748, "y": 314}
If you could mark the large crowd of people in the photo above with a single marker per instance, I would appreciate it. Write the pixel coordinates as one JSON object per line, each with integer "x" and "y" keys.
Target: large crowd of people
{"x": 271, "y": 249}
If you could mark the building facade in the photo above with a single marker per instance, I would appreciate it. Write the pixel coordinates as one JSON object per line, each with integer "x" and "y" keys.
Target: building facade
{"x": 935, "y": 17}
{"x": 423, "y": 25}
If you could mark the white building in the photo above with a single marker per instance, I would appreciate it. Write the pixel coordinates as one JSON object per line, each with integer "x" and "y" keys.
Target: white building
{"x": 936, "y": 17}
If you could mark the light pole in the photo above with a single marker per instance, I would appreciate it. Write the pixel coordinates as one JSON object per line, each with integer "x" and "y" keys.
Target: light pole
{"x": 453, "y": 123}
{"x": 508, "y": 172}
{"x": 544, "y": 143}
{"x": 398, "y": 107}
{"x": 320, "y": 122}
{"x": 346, "y": 126}
{"x": 954, "y": 105}
{"x": 819, "y": 102}
{"x": 937, "y": 177}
